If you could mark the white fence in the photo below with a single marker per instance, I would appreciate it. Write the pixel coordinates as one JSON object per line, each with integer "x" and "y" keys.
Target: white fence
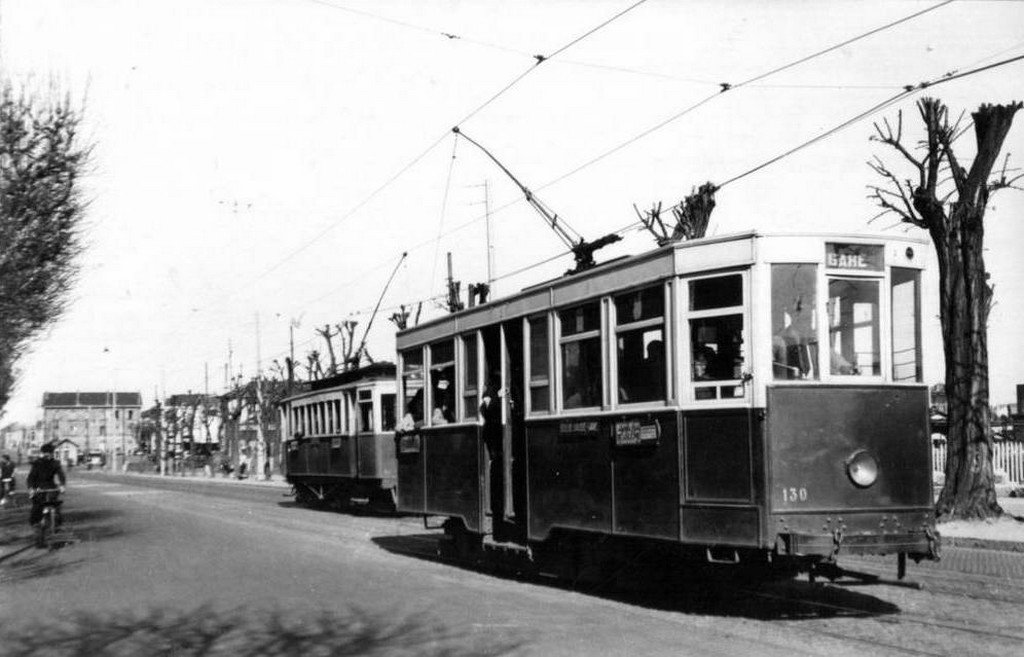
{"x": 1007, "y": 458}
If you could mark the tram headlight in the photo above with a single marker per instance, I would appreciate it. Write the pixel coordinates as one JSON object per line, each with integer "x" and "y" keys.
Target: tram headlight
{"x": 862, "y": 469}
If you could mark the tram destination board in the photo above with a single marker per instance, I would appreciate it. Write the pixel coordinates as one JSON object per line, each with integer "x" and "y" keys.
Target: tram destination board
{"x": 635, "y": 432}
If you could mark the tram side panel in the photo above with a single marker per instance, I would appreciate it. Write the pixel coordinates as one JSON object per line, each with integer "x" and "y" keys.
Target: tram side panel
{"x": 440, "y": 471}
{"x": 850, "y": 465}
{"x": 722, "y": 461}
{"x": 604, "y": 474}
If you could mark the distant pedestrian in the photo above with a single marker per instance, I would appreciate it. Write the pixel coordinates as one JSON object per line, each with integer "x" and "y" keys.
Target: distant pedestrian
{"x": 6, "y": 475}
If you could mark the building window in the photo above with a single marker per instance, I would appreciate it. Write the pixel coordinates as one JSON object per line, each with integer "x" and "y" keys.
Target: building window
{"x": 795, "y": 321}
{"x": 640, "y": 345}
{"x": 580, "y": 343}
{"x": 717, "y": 346}
{"x": 470, "y": 377}
{"x": 906, "y": 324}
{"x": 442, "y": 382}
{"x": 540, "y": 365}
{"x": 412, "y": 385}
{"x": 853, "y": 327}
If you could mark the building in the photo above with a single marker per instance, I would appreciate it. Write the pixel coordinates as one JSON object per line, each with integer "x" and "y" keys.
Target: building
{"x": 91, "y": 421}
{"x": 191, "y": 423}
{"x": 19, "y": 440}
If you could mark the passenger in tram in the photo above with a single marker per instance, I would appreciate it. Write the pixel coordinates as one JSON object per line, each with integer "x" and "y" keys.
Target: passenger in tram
{"x": 703, "y": 356}
{"x": 443, "y": 404}
{"x": 795, "y": 348}
{"x": 490, "y": 417}
{"x": 413, "y": 418}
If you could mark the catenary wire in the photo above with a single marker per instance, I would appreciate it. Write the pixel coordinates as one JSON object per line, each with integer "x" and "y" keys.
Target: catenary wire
{"x": 908, "y": 91}
{"x": 641, "y": 135}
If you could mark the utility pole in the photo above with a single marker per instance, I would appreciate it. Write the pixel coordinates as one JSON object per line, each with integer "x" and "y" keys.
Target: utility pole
{"x": 454, "y": 302}
{"x": 490, "y": 247}
{"x": 487, "y": 224}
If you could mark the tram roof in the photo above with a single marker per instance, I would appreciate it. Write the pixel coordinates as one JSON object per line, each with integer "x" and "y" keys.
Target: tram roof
{"x": 705, "y": 254}
{"x": 379, "y": 371}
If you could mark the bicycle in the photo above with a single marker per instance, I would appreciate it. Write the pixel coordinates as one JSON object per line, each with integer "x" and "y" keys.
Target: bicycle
{"x": 51, "y": 519}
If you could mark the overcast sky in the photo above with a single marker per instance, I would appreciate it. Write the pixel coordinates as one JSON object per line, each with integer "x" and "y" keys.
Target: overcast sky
{"x": 246, "y": 154}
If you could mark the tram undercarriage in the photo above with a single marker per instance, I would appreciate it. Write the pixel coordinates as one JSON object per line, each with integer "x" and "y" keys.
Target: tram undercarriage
{"x": 346, "y": 495}
{"x": 577, "y": 556}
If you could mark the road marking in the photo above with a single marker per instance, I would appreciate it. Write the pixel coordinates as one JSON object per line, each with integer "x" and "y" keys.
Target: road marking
{"x": 75, "y": 484}
{"x": 132, "y": 492}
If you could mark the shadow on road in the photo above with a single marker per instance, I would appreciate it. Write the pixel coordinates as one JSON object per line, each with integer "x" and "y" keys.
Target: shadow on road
{"x": 242, "y": 631}
{"x": 675, "y": 585}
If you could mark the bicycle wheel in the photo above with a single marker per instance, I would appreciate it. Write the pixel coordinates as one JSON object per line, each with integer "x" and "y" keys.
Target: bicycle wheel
{"x": 42, "y": 529}
{"x": 51, "y": 527}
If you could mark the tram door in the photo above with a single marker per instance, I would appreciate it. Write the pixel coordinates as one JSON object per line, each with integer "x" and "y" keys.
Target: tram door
{"x": 506, "y": 481}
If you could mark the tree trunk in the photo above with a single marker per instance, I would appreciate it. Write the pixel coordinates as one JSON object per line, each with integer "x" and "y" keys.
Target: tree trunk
{"x": 969, "y": 490}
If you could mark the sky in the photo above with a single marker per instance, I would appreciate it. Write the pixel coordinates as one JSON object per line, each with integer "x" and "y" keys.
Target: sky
{"x": 263, "y": 164}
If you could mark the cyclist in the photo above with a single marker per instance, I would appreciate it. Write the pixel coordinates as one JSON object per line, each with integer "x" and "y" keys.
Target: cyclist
{"x": 6, "y": 475}
{"x": 45, "y": 473}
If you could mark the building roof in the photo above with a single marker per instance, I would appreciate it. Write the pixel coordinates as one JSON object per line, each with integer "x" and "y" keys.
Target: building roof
{"x": 91, "y": 399}
{"x": 192, "y": 399}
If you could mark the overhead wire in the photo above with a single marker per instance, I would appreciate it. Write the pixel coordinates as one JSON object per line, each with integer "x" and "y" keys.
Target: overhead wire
{"x": 725, "y": 87}
{"x": 431, "y": 147}
{"x": 908, "y": 91}
{"x": 541, "y": 59}
{"x": 444, "y": 207}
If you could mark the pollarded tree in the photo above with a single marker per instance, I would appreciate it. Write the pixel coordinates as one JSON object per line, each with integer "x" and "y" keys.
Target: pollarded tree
{"x": 41, "y": 163}
{"x": 949, "y": 199}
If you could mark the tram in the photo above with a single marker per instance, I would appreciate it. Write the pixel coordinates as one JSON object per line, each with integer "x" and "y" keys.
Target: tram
{"x": 342, "y": 450}
{"x": 752, "y": 399}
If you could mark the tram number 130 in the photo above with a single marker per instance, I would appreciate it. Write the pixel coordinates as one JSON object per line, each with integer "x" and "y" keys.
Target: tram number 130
{"x": 794, "y": 494}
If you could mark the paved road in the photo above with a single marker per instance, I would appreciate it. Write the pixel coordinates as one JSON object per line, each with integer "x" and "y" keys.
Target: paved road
{"x": 188, "y": 568}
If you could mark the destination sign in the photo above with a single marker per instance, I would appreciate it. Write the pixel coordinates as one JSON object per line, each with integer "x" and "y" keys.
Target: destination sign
{"x": 865, "y": 257}
{"x": 633, "y": 432}
{"x": 578, "y": 430}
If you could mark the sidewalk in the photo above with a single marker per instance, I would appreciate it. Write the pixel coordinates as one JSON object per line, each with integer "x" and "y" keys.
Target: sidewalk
{"x": 1006, "y": 533}
{"x": 276, "y": 480}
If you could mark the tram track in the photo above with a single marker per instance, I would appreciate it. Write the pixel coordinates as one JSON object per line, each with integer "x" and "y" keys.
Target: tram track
{"x": 731, "y": 594}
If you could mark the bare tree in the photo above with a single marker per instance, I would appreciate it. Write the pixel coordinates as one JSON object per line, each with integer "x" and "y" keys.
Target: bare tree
{"x": 328, "y": 334}
{"x": 949, "y": 200}
{"x": 692, "y": 215}
{"x": 41, "y": 162}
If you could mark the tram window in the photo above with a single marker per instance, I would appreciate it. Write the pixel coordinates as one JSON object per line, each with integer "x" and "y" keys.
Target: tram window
{"x": 412, "y": 388}
{"x": 388, "y": 419}
{"x": 581, "y": 356}
{"x": 717, "y": 345}
{"x": 640, "y": 345}
{"x": 442, "y": 382}
{"x": 718, "y": 292}
{"x": 350, "y": 411}
{"x": 365, "y": 401}
{"x": 717, "y": 348}
{"x": 539, "y": 365}
{"x": 795, "y": 321}
{"x": 906, "y": 324}
{"x": 853, "y": 327}
{"x": 470, "y": 387}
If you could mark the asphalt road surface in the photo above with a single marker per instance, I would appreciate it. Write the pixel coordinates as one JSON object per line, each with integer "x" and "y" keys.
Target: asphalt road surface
{"x": 183, "y": 567}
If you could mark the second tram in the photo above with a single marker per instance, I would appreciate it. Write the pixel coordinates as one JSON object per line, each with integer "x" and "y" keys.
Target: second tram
{"x": 753, "y": 398}
{"x": 342, "y": 450}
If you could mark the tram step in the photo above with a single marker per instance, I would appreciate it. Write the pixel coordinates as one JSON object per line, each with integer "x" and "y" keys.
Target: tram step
{"x": 508, "y": 547}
